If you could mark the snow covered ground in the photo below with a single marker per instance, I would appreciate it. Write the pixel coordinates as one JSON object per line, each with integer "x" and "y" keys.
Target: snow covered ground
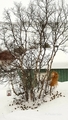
{"x": 56, "y": 109}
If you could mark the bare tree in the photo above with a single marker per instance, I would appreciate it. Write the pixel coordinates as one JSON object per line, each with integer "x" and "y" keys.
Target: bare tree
{"x": 50, "y": 25}
{"x": 33, "y": 38}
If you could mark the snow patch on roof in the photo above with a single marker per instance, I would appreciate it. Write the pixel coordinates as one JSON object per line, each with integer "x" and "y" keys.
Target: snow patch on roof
{"x": 60, "y": 65}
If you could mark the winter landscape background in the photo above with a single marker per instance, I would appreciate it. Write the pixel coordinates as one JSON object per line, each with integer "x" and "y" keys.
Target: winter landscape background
{"x": 52, "y": 109}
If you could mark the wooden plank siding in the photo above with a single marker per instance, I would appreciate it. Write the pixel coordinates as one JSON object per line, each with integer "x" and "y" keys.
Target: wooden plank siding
{"x": 63, "y": 74}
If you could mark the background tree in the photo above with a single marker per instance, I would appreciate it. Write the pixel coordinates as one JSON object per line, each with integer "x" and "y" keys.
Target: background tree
{"x": 33, "y": 37}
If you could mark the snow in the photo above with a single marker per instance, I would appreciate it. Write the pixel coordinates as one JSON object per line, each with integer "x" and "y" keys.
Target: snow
{"x": 56, "y": 109}
{"x": 60, "y": 65}
{"x": 60, "y": 60}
